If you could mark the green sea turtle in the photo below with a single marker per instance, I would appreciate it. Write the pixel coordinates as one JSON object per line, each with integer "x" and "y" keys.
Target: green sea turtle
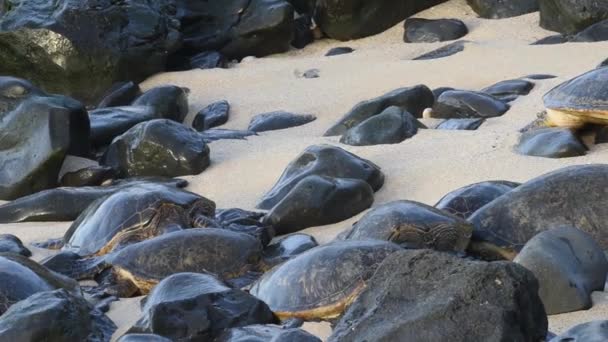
{"x": 321, "y": 282}
{"x": 574, "y": 196}
{"x": 232, "y": 256}
{"x": 579, "y": 101}
{"x": 21, "y": 277}
{"x": 463, "y": 202}
{"x": 135, "y": 214}
{"x": 412, "y": 225}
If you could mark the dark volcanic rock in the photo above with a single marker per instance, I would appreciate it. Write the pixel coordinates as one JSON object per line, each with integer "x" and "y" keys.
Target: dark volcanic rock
{"x": 11, "y": 244}
{"x": 319, "y": 200}
{"x": 438, "y": 91}
{"x": 595, "y": 331}
{"x": 108, "y": 123}
{"x": 196, "y": 307}
{"x": 208, "y": 60}
{"x": 431, "y": 296}
{"x": 555, "y": 142}
{"x": 37, "y": 130}
{"x": 413, "y": 100}
{"x": 603, "y": 63}
{"x": 288, "y": 247}
{"x": 215, "y": 114}
{"x": 540, "y": 76}
{"x": 497, "y": 9}
{"x": 57, "y": 316}
{"x": 459, "y": 104}
{"x": 461, "y": 124}
{"x": 158, "y": 148}
{"x": 392, "y": 126}
{"x": 505, "y": 89}
{"x": 303, "y": 34}
{"x": 595, "y": 33}
{"x": 352, "y": 19}
{"x": 211, "y": 135}
{"x": 553, "y": 39}
{"x": 444, "y": 51}
{"x": 322, "y": 160}
{"x": 68, "y": 59}
{"x": 264, "y": 333}
{"x": 278, "y": 120}
{"x": 568, "y": 265}
{"x": 463, "y": 202}
{"x": 89, "y": 176}
{"x": 120, "y": 94}
{"x": 236, "y": 28}
{"x": 169, "y": 102}
{"x": 571, "y": 16}
{"x": 143, "y": 338}
{"x": 419, "y": 30}
{"x": 339, "y": 51}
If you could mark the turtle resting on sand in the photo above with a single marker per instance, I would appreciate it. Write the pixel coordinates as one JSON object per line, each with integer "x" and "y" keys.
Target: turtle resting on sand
{"x": 231, "y": 256}
{"x": 574, "y": 196}
{"x": 21, "y": 277}
{"x": 321, "y": 282}
{"x": 134, "y": 214}
{"x": 579, "y": 101}
{"x": 413, "y": 225}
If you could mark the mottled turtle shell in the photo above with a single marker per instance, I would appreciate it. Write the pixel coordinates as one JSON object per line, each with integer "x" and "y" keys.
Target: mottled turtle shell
{"x": 463, "y": 202}
{"x": 21, "y": 277}
{"x": 412, "y": 225}
{"x": 585, "y": 96}
{"x": 321, "y": 282}
{"x": 126, "y": 210}
{"x": 222, "y": 252}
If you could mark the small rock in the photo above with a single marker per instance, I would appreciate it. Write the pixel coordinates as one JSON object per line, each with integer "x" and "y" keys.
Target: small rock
{"x": 444, "y": 51}
{"x": 208, "y": 60}
{"x": 170, "y": 102}
{"x": 551, "y": 143}
{"x": 461, "y": 124}
{"x": 288, "y": 247}
{"x": 552, "y": 40}
{"x": 419, "y": 30}
{"x": 89, "y": 176}
{"x": 215, "y": 114}
{"x": 278, "y": 120}
{"x": 108, "y": 123}
{"x": 120, "y": 94}
{"x": 540, "y": 76}
{"x": 339, "y": 51}
{"x": 505, "y": 89}
{"x": 461, "y": 104}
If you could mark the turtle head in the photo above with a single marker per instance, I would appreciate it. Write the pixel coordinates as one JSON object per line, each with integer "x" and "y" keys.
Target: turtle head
{"x": 202, "y": 213}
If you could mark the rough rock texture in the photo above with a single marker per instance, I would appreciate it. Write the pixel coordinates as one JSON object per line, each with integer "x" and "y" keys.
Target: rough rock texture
{"x": 568, "y": 265}
{"x": 56, "y": 316}
{"x": 235, "y": 28}
{"x": 37, "y": 131}
{"x": 352, "y": 19}
{"x": 431, "y": 296}
{"x": 47, "y": 43}
{"x": 158, "y": 148}
{"x": 571, "y": 16}
{"x": 497, "y": 9}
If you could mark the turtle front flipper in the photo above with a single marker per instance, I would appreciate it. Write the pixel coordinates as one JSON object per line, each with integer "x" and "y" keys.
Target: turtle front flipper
{"x": 74, "y": 266}
{"x": 53, "y": 244}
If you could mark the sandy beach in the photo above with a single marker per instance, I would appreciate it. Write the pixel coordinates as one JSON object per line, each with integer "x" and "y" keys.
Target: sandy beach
{"x": 422, "y": 168}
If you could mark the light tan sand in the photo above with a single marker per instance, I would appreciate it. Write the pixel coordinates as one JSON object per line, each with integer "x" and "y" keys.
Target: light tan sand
{"x": 423, "y": 168}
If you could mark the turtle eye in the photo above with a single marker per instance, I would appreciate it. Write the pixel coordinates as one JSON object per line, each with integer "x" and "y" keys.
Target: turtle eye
{"x": 15, "y": 91}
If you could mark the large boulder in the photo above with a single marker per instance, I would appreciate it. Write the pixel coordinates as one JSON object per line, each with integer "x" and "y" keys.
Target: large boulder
{"x": 352, "y": 19}
{"x": 37, "y": 131}
{"x": 55, "y": 316}
{"x": 571, "y": 16}
{"x": 158, "y": 147}
{"x": 568, "y": 265}
{"x": 46, "y": 41}
{"x": 431, "y": 296}
{"x": 497, "y": 9}
{"x": 235, "y": 28}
